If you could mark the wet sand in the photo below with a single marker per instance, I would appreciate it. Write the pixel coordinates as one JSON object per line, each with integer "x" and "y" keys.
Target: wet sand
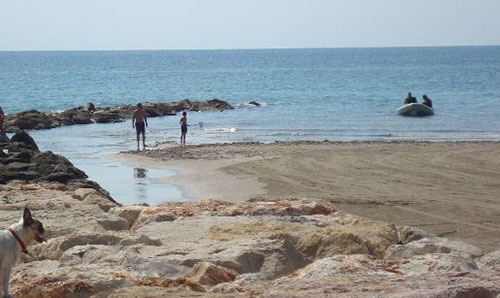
{"x": 450, "y": 189}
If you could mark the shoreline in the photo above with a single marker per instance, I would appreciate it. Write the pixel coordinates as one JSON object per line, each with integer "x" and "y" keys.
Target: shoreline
{"x": 453, "y": 191}
{"x": 280, "y": 244}
{"x": 200, "y": 180}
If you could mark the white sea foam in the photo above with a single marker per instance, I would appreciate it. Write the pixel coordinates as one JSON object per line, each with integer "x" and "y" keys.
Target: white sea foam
{"x": 254, "y": 104}
{"x": 280, "y": 134}
{"x": 220, "y": 129}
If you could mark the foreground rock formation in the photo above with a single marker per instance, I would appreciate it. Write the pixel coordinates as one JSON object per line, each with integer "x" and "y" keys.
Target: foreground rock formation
{"x": 280, "y": 247}
{"x": 34, "y": 119}
{"x": 266, "y": 247}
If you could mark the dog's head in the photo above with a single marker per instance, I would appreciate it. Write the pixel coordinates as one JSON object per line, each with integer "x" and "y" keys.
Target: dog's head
{"x": 33, "y": 227}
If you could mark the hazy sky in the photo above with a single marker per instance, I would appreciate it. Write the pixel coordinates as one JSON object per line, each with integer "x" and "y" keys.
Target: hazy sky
{"x": 220, "y": 24}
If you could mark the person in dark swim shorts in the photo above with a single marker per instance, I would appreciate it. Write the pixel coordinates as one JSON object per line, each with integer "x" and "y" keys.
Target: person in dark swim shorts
{"x": 184, "y": 128}
{"x": 140, "y": 128}
{"x": 139, "y": 121}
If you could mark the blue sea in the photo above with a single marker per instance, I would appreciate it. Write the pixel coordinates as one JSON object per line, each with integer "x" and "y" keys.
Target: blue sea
{"x": 346, "y": 94}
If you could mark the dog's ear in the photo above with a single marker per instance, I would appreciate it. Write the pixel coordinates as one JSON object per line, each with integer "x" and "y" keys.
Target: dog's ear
{"x": 27, "y": 219}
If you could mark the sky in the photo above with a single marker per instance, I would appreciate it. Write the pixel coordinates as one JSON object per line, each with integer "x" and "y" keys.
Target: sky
{"x": 241, "y": 24}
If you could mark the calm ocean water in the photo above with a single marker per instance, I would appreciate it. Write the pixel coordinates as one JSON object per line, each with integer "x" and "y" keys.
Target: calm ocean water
{"x": 313, "y": 94}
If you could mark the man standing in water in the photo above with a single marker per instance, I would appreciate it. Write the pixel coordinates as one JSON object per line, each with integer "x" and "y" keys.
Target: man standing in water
{"x": 139, "y": 121}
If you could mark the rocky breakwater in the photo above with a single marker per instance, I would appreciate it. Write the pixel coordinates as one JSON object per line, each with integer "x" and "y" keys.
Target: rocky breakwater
{"x": 34, "y": 119}
{"x": 266, "y": 247}
{"x": 21, "y": 160}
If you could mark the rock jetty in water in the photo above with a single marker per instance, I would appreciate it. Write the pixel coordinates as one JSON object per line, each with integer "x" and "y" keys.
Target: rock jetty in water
{"x": 88, "y": 114}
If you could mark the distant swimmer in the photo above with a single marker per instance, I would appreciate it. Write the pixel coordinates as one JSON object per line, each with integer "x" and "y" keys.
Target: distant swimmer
{"x": 139, "y": 121}
{"x": 184, "y": 128}
{"x": 426, "y": 101}
{"x": 410, "y": 99}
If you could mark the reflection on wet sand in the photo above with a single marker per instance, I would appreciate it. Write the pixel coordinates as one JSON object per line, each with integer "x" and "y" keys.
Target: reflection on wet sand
{"x": 140, "y": 172}
{"x": 141, "y": 185}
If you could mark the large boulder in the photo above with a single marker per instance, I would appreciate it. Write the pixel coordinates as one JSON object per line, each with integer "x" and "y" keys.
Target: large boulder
{"x": 94, "y": 195}
{"x": 31, "y": 119}
{"x": 206, "y": 273}
{"x": 125, "y": 111}
{"x": 75, "y": 116}
{"x": 20, "y": 156}
{"x": 129, "y": 213}
{"x": 4, "y": 139}
{"x": 17, "y": 163}
{"x": 314, "y": 241}
{"x": 211, "y": 105}
{"x": 431, "y": 245}
{"x": 490, "y": 261}
{"x": 111, "y": 116}
{"x": 439, "y": 275}
{"x": 8, "y": 175}
{"x": 113, "y": 223}
{"x": 160, "y": 109}
{"x": 16, "y": 156}
{"x": 154, "y": 290}
{"x": 407, "y": 234}
{"x": 220, "y": 104}
{"x": 53, "y": 167}
{"x": 152, "y": 110}
{"x": 183, "y": 105}
{"x": 25, "y": 141}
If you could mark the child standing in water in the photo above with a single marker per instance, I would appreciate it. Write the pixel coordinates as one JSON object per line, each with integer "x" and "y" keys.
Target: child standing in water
{"x": 184, "y": 128}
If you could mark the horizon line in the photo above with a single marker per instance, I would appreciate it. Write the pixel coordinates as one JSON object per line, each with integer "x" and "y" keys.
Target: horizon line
{"x": 248, "y": 49}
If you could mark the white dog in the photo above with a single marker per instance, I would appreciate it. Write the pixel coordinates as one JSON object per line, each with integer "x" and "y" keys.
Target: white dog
{"x": 13, "y": 241}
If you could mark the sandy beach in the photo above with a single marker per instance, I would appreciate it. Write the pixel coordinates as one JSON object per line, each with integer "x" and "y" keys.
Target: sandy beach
{"x": 281, "y": 225}
{"x": 450, "y": 189}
